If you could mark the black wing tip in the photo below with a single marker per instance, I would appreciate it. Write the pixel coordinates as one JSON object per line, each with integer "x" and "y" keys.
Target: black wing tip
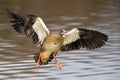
{"x": 99, "y": 41}
{"x": 23, "y": 24}
{"x": 89, "y": 39}
{"x": 15, "y": 15}
{"x": 10, "y": 13}
{"x": 17, "y": 21}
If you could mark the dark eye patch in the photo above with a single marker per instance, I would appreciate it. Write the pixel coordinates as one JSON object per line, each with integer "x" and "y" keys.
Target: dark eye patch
{"x": 55, "y": 43}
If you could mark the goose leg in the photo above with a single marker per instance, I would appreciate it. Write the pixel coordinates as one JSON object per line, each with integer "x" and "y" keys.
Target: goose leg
{"x": 58, "y": 65}
{"x": 37, "y": 65}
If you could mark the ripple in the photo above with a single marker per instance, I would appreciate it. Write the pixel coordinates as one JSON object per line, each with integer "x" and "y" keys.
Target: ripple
{"x": 16, "y": 53}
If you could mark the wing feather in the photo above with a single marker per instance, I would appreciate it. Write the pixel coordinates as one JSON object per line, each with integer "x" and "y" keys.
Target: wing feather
{"x": 83, "y": 38}
{"x": 40, "y": 29}
{"x": 71, "y": 36}
{"x": 30, "y": 25}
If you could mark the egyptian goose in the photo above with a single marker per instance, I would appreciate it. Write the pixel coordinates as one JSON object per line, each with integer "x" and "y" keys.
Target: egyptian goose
{"x": 34, "y": 28}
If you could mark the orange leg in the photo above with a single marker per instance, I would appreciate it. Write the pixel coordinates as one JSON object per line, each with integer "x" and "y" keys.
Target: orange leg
{"x": 58, "y": 65}
{"x": 37, "y": 65}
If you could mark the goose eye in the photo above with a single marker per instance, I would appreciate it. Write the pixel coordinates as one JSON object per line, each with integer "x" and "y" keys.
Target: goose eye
{"x": 55, "y": 43}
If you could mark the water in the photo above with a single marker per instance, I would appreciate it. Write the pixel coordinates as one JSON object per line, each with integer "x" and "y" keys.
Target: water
{"x": 16, "y": 51}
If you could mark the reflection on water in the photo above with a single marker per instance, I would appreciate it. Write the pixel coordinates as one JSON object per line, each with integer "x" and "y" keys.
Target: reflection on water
{"x": 16, "y": 51}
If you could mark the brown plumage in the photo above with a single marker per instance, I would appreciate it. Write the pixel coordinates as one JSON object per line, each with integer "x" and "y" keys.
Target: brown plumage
{"x": 50, "y": 43}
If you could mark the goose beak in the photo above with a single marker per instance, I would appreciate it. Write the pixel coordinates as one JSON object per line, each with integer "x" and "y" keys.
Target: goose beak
{"x": 62, "y": 32}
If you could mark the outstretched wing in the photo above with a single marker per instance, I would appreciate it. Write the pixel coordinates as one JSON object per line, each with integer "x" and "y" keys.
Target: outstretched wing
{"x": 30, "y": 25}
{"x": 83, "y": 38}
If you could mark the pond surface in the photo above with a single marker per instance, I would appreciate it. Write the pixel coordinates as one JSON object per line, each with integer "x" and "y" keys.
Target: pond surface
{"x": 16, "y": 51}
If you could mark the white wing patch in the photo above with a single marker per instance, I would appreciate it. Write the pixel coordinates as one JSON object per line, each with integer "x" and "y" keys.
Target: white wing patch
{"x": 40, "y": 28}
{"x": 71, "y": 36}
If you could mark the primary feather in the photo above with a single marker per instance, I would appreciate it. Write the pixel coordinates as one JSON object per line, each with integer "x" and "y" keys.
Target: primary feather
{"x": 83, "y": 38}
{"x": 30, "y": 25}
